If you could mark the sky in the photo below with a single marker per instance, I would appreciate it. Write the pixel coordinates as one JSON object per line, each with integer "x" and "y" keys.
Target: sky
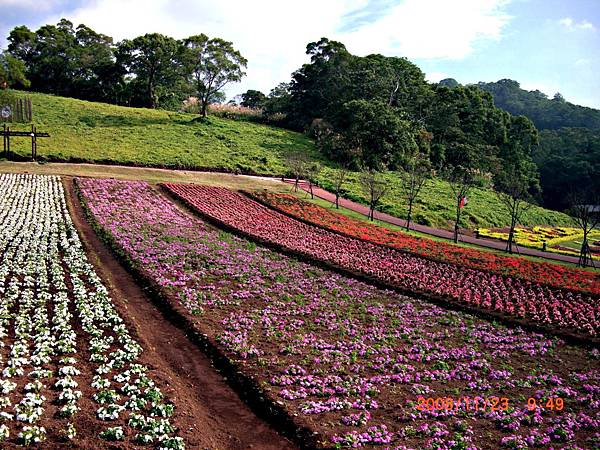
{"x": 549, "y": 45}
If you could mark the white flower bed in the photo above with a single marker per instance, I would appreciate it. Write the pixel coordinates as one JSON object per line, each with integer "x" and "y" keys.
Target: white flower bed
{"x": 39, "y": 347}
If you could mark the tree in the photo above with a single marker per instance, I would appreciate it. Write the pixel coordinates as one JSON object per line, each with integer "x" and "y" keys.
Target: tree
{"x": 374, "y": 187}
{"x": 412, "y": 181}
{"x": 518, "y": 177}
{"x": 279, "y": 99}
{"x": 339, "y": 177}
{"x": 585, "y": 208}
{"x": 253, "y": 99}
{"x": 462, "y": 180}
{"x": 154, "y": 60}
{"x": 12, "y": 71}
{"x": 297, "y": 164}
{"x": 512, "y": 189}
{"x": 211, "y": 65}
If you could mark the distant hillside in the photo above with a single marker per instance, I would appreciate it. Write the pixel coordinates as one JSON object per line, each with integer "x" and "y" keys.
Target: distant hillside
{"x": 545, "y": 113}
{"x": 98, "y": 132}
{"x": 568, "y": 155}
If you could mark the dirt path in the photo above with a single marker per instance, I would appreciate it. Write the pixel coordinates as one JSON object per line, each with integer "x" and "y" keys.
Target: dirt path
{"x": 210, "y": 413}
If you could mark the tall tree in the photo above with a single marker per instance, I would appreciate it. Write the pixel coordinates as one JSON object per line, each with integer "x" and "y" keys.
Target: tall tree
{"x": 412, "y": 181}
{"x": 211, "y": 65}
{"x": 297, "y": 165}
{"x": 585, "y": 208}
{"x": 462, "y": 180}
{"x": 513, "y": 190}
{"x": 154, "y": 61}
{"x": 517, "y": 181}
{"x": 374, "y": 187}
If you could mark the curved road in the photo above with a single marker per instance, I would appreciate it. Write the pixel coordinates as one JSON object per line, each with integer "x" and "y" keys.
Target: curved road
{"x": 496, "y": 245}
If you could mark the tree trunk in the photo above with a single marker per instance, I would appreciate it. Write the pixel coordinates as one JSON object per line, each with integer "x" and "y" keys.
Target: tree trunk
{"x": 456, "y": 224}
{"x": 310, "y": 186}
{"x": 584, "y": 253}
{"x": 204, "y": 108}
{"x": 410, "y": 205}
{"x": 337, "y": 200}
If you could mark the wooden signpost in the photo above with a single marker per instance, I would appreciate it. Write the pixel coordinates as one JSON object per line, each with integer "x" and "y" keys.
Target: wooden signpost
{"x": 33, "y": 134}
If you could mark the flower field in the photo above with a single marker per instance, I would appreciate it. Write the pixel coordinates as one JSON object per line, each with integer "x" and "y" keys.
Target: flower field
{"x": 356, "y": 364}
{"x": 545, "y": 273}
{"x": 548, "y": 307}
{"x": 70, "y": 369}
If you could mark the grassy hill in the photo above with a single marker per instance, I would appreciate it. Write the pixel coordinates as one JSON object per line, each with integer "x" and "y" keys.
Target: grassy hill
{"x": 99, "y": 132}
{"x": 95, "y": 132}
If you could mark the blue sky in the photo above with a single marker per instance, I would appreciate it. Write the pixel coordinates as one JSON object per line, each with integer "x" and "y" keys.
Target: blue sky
{"x": 550, "y": 45}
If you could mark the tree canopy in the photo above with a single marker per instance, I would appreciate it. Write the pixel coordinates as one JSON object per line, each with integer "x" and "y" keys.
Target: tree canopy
{"x": 152, "y": 70}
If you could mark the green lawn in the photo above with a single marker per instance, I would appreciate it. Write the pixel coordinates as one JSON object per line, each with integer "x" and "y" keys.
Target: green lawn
{"x": 101, "y": 133}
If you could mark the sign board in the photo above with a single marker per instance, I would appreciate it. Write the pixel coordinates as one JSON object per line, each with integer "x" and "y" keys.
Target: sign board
{"x": 5, "y": 112}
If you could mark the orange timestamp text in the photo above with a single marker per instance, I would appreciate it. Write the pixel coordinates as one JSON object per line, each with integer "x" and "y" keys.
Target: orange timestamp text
{"x": 462, "y": 403}
{"x": 484, "y": 403}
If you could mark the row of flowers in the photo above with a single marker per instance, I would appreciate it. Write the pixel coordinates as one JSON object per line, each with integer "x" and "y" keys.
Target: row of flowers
{"x": 549, "y": 307}
{"x": 346, "y": 359}
{"x": 47, "y": 286}
{"x": 546, "y": 273}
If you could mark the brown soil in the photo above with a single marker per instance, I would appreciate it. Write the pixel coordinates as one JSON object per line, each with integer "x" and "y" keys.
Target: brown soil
{"x": 209, "y": 414}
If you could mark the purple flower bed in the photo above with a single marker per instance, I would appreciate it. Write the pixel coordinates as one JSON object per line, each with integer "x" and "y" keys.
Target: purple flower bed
{"x": 348, "y": 360}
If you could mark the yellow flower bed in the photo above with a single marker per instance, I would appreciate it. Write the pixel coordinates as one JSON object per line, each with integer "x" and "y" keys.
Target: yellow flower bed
{"x": 536, "y": 236}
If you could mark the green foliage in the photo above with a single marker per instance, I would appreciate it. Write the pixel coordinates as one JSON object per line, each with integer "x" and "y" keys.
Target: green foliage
{"x": 569, "y": 160}
{"x": 382, "y": 138}
{"x": 154, "y": 59}
{"x": 12, "y": 71}
{"x": 62, "y": 60}
{"x": 568, "y": 155}
{"x": 253, "y": 99}
{"x": 209, "y": 65}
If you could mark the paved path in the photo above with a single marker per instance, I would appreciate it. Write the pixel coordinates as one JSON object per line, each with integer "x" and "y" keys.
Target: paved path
{"x": 497, "y": 245}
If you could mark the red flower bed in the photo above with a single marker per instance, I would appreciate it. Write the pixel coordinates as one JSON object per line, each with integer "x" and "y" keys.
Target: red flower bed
{"x": 548, "y": 307}
{"x": 545, "y": 273}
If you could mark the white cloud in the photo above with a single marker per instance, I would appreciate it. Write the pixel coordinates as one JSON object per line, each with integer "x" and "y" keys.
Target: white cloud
{"x": 432, "y": 29}
{"x": 272, "y": 34}
{"x": 583, "y": 62}
{"x": 571, "y": 25}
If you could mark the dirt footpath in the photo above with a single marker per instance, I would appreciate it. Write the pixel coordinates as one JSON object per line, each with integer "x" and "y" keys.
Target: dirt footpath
{"x": 209, "y": 412}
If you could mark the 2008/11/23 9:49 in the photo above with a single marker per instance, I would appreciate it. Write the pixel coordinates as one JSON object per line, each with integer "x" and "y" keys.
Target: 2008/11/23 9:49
{"x": 484, "y": 403}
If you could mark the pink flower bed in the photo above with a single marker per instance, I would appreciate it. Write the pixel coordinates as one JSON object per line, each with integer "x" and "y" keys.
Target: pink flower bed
{"x": 553, "y": 308}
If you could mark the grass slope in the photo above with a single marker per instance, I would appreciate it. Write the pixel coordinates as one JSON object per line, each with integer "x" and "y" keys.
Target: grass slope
{"x": 96, "y": 132}
{"x": 99, "y": 132}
